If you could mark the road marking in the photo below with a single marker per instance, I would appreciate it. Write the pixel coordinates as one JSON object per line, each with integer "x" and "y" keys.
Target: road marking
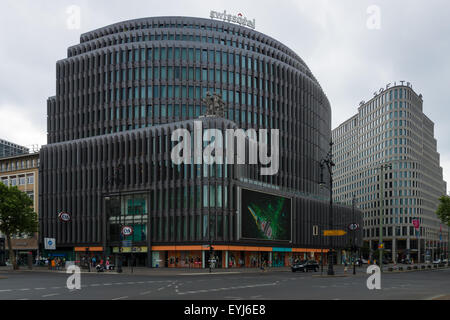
{"x": 436, "y": 297}
{"x": 107, "y": 284}
{"x": 140, "y": 282}
{"x": 50, "y": 295}
{"x": 229, "y": 288}
{"x": 23, "y": 299}
{"x": 56, "y": 287}
{"x": 144, "y": 293}
{"x": 131, "y": 282}
{"x": 6, "y": 290}
{"x": 95, "y": 285}
{"x": 24, "y": 289}
{"x": 204, "y": 273}
{"x": 126, "y": 297}
{"x": 39, "y": 288}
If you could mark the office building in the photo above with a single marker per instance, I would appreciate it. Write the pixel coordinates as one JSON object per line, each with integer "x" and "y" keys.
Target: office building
{"x": 120, "y": 95}
{"x": 386, "y": 157}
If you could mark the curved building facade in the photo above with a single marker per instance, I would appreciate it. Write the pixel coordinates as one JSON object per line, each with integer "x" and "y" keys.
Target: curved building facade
{"x": 120, "y": 95}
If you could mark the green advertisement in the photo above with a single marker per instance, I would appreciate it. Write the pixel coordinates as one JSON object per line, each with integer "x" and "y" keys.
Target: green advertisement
{"x": 265, "y": 216}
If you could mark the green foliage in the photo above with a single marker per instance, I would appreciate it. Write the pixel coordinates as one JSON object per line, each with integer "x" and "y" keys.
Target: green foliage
{"x": 17, "y": 217}
{"x": 16, "y": 212}
{"x": 443, "y": 211}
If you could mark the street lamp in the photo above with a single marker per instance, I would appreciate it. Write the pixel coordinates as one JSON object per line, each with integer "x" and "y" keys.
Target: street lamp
{"x": 354, "y": 231}
{"x": 115, "y": 180}
{"x": 328, "y": 162}
{"x": 380, "y": 242}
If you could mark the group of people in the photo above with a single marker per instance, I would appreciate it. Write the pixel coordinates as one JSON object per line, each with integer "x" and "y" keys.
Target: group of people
{"x": 55, "y": 263}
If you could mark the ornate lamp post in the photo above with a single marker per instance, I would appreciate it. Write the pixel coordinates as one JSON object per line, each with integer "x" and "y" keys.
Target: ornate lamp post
{"x": 380, "y": 242}
{"x": 328, "y": 162}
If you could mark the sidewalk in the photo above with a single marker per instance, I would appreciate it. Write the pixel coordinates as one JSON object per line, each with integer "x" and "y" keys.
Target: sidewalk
{"x": 339, "y": 270}
{"x": 154, "y": 271}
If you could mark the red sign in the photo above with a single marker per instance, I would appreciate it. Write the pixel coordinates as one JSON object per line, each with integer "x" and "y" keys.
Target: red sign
{"x": 416, "y": 223}
{"x": 64, "y": 216}
{"x": 127, "y": 231}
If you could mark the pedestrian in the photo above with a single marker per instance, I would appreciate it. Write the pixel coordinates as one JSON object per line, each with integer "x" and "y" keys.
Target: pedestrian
{"x": 53, "y": 264}
{"x": 345, "y": 266}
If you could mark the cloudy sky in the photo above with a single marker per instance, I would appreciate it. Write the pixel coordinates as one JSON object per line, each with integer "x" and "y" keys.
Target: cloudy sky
{"x": 338, "y": 39}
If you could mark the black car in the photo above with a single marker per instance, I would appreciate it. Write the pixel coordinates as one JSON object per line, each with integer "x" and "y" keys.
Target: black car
{"x": 305, "y": 266}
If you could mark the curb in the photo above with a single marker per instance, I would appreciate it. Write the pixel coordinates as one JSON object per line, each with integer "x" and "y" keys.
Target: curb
{"x": 417, "y": 270}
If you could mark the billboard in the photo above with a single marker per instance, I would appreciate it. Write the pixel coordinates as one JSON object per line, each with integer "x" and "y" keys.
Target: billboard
{"x": 265, "y": 216}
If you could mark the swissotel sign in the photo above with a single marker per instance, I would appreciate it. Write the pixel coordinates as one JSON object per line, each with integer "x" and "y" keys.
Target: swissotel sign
{"x": 239, "y": 19}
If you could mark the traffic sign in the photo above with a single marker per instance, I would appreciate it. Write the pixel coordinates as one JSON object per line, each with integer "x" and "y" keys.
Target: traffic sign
{"x": 334, "y": 233}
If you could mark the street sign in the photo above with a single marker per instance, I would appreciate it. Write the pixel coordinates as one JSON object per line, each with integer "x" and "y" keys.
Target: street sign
{"x": 353, "y": 226}
{"x": 50, "y": 243}
{"x": 332, "y": 233}
{"x": 127, "y": 231}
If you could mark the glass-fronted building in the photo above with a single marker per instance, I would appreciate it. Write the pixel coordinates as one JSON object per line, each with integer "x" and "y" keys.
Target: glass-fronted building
{"x": 392, "y": 131}
{"x": 9, "y": 149}
{"x": 120, "y": 95}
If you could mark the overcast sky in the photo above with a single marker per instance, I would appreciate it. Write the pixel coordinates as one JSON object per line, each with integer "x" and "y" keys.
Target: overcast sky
{"x": 337, "y": 39}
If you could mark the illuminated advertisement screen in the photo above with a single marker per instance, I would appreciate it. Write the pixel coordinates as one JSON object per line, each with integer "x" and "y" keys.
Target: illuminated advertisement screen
{"x": 265, "y": 216}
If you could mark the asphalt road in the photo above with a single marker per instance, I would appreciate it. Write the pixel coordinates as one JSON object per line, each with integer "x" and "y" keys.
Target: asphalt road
{"x": 434, "y": 284}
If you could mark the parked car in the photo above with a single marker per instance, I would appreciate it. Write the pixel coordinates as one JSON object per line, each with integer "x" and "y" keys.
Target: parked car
{"x": 305, "y": 266}
{"x": 360, "y": 262}
{"x": 406, "y": 261}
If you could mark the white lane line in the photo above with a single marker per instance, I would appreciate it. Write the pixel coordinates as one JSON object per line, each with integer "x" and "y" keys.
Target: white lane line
{"x": 126, "y": 297}
{"x": 23, "y": 299}
{"x": 140, "y": 282}
{"x": 95, "y": 285}
{"x": 144, "y": 293}
{"x": 204, "y": 273}
{"x": 159, "y": 289}
{"x": 131, "y": 282}
{"x": 39, "y": 288}
{"x": 229, "y": 288}
{"x": 6, "y": 290}
{"x": 50, "y": 295}
{"x": 56, "y": 287}
{"x": 24, "y": 289}
{"x": 107, "y": 284}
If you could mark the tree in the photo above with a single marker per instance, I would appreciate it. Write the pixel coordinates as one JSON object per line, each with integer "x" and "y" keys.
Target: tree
{"x": 16, "y": 216}
{"x": 443, "y": 210}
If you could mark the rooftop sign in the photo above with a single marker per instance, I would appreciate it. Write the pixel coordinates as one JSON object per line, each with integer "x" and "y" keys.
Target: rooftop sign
{"x": 239, "y": 19}
{"x": 408, "y": 84}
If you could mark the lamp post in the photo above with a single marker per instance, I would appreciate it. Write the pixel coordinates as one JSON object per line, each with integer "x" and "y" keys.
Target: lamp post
{"x": 328, "y": 162}
{"x": 380, "y": 242}
{"x": 354, "y": 231}
{"x": 116, "y": 179}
